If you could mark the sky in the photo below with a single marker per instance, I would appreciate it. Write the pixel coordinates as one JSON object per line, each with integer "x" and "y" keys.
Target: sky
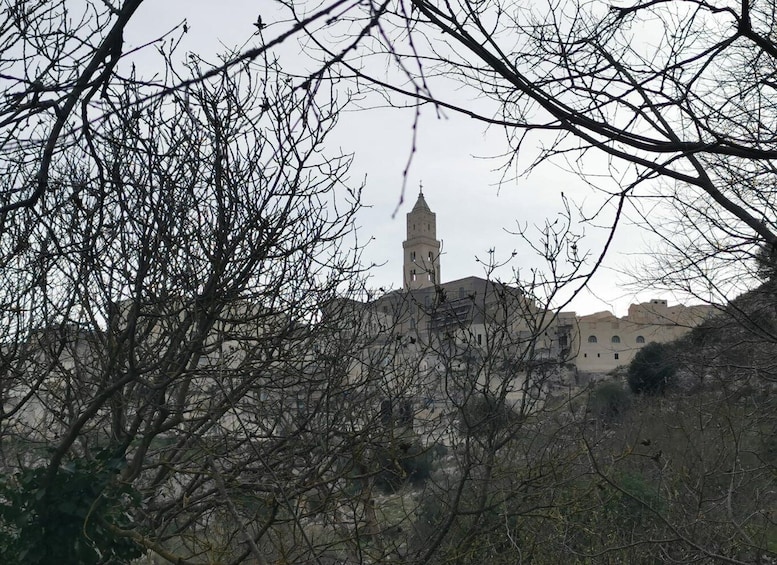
{"x": 477, "y": 205}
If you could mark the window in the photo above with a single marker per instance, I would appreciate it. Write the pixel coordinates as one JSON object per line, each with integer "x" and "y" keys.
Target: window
{"x": 480, "y": 339}
{"x": 598, "y": 354}
{"x": 617, "y": 356}
{"x": 431, "y": 258}
{"x": 640, "y": 339}
{"x": 616, "y": 339}
{"x": 591, "y": 339}
{"x": 412, "y": 275}
{"x": 412, "y": 255}
{"x": 585, "y": 354}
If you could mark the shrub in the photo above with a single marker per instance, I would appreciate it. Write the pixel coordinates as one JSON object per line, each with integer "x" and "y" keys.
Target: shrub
{"x": 653, "y": 369}
{"x": 485, "y": 416}
{"x": 608, "y": 401}
{"x": 68, "y": 516}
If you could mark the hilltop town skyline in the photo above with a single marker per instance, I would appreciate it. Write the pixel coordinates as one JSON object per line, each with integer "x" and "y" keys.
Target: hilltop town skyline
{"x": 461, "y": 250}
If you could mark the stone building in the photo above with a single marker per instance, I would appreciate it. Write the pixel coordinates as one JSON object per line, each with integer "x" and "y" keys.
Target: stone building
{"x": 421, "y": 267}
{"x": 601, "y": 342}
{"x": 476, "y": 309}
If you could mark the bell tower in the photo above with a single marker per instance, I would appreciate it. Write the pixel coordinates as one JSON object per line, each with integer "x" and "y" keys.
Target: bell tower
{"x": 421, "y": 248}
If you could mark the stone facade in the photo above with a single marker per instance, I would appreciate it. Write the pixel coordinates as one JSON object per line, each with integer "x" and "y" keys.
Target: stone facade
{"x": 601, "y": 342}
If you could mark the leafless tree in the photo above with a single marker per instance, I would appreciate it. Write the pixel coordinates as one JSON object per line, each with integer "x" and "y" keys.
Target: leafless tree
{"x": 172, "y": 254}
{"x": 161, "y": 304}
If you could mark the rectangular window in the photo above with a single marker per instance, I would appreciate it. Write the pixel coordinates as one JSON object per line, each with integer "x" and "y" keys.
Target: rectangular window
{"x": 616, "y": 356}
{"x": 430, "y": 256}
{"x": 480, "y": 339}
{"x": 412, "y": 275}
{"x": 585, "y": 354}
{"x": 598, "y": 354}
{"x": 412, "y": 255}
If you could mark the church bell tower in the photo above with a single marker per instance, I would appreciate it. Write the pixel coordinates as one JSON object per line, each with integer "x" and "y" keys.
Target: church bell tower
{"x": 421, "y": 248}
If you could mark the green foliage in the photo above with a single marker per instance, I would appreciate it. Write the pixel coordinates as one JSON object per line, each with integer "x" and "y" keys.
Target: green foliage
{"x": 653, "y": 369}
{"x": 67, "y": 517}
{"x": 608, "y": 401}
{"x": 594, "y": 515}
{"x": 635, "y": 501}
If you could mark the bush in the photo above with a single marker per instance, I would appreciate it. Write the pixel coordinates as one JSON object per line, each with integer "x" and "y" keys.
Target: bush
{"x": 653, "y": 369}
{"x": 68, "y": 516}
{"x": 486, "y": 416}
{"x": 608, "y": 401}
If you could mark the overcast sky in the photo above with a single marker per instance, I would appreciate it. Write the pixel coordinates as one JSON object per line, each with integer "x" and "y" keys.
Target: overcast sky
{"x": 454, "y": 160}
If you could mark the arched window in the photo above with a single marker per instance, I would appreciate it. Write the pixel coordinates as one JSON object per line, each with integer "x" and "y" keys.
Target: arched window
{"x": 591, "y": 339}
{"x": 640, "y": 339}
{"x": 616, "y": 339}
